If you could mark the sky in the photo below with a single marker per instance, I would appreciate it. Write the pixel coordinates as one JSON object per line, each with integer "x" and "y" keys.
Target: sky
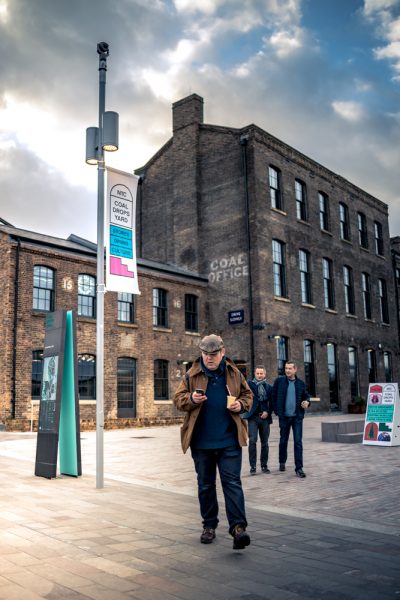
{"x": 321, "y": 75}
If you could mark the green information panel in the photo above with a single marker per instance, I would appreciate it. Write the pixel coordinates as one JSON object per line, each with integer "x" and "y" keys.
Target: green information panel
{"x": 59, "y": 402}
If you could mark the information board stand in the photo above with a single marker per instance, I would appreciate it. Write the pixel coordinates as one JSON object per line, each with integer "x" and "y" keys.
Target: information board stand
{"x": 382, "y": 417}
{"x": 59, "y": 402}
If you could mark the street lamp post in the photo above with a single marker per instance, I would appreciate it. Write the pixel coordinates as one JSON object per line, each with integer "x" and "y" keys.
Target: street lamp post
{"x": 98, "y": 139}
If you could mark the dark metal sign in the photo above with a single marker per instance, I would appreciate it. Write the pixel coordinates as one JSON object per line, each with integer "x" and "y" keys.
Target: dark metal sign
{"x": 236, "y": 316}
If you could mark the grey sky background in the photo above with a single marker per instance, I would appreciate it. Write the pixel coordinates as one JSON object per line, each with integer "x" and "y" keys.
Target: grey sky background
{"x": 321, "y": 75}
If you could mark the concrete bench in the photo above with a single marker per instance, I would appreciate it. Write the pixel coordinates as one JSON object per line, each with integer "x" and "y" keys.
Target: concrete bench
{"x": 344, "y": 432}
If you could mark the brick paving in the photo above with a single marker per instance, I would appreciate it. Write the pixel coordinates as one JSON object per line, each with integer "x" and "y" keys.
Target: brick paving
{"x": 334, "y": 535}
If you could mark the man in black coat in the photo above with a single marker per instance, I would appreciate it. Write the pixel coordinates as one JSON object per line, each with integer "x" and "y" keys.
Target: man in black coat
{"x": 290, "y": 398}
{"x": 259, "y": 419}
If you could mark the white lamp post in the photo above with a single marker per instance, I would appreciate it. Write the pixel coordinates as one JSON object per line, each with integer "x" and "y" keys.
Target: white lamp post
{"x": 98, "y": 139}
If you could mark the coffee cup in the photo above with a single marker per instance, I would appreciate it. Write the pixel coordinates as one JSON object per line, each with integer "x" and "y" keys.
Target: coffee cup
{"x": 230, "y": 400}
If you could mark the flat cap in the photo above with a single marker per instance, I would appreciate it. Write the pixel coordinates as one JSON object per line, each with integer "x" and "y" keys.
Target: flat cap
{"x": 211, "y": 343}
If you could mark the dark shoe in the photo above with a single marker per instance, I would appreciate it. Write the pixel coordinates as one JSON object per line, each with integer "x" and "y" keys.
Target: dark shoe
{"x": 208, "y": 535}
{"x": 282, "y": 467}
{"x": 300, "y": 473}
{"x": 265, "y": 469}
{"x": 253, "y": 470}
{"x": 241, "y": 539}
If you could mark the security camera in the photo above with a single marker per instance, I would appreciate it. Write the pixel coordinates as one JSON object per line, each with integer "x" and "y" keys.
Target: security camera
{"x": 102, "y": 48}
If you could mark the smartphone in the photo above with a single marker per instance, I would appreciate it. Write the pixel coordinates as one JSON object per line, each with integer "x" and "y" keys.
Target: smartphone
{"x": 199, "y": 391}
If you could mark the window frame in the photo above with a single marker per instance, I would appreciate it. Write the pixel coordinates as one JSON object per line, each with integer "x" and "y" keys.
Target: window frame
{"x": 279, "y": 268}
{"x": 362, "y": 230}
{"x": 191, "y": 313}
{"x": 90, "y": 377}
{"x": 324, "y": 217}
{"x": 161, "y": 379}
{"x": 160, "y": 307}
{"x": 47, "y": 292}
{"x": 344, "y": 222}
{"x": 366, "y": 295}
{"x": 305, "y": 276}
{"x": 378, "y": 234}
{"x": 383, "y": 301}
{"x": 300, "y": 192}
{"x": 328, "y": 283}
{"x": 275, "y": 176}
{"x": 348, "y": 286}
{"x": 126, "y": 307}
{"x": 87, "y": 309}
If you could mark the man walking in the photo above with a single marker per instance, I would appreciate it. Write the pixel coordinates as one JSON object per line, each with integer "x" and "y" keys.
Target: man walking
{"x": 213, "y": 393}
{"x": 259, "y": 419}
{"x": 290, "y": 398}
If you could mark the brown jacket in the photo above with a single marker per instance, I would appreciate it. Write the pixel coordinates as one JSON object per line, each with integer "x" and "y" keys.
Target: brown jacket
{"x": 196, "y": 378}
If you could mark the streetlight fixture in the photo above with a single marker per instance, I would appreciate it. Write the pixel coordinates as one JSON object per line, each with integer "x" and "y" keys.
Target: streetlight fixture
{"x": 98, "y": 139}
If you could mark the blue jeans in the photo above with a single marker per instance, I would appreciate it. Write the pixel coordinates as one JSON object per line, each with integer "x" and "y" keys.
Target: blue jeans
{"x": 285, "y": 423}
{"x": 257, "y": 425}
{"x": 229, "y": 463}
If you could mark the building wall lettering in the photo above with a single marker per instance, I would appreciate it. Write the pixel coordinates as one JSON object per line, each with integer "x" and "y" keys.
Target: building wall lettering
{"x": 228, "y": 267}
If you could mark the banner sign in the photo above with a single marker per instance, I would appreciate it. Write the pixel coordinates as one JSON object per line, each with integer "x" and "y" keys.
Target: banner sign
{"x": 382, "y": 418}
{"x": 59, "y": 425}
{"x": 120, "y": 232}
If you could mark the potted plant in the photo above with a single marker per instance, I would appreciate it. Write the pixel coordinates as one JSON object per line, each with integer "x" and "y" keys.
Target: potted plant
{"x": 357, "y": 405}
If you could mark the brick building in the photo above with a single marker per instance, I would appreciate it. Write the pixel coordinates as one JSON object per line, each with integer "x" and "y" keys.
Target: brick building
{"x": 148, "y": 338}
{"x": 297, "y": 256}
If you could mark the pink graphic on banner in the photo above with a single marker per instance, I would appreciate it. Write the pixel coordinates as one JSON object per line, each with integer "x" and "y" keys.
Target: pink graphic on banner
{"x": 117, "y": 267}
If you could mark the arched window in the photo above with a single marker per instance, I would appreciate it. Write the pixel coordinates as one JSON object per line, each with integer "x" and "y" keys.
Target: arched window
{"x": 86, "y": 295}
{"x": 87, "y": 376}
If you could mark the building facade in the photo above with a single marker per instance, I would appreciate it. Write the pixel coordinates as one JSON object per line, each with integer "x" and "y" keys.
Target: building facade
{"x": 298, "y": 258}
{"x": 147, "y": 338}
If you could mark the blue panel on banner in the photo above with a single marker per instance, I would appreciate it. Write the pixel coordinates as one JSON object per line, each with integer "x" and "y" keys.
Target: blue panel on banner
{"x": 121, "y": 242}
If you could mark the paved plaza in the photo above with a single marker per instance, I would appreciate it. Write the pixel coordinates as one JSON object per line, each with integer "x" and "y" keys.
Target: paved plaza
{"x": 334, "y": 535}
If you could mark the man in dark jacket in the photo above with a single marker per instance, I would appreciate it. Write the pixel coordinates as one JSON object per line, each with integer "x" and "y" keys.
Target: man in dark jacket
{"x": 213, "y": 394}
{"x": 290, "y": 398}
{"x": 259, "y": 419}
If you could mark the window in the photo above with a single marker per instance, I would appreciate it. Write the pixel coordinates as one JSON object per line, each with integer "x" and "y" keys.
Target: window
{"x": 353, "y": 373}
{"x": 387, "y": 361}
{"x": 37, "y": 373}
{"x": 366, "y": 294}
{"x": 126, "y": 387}
{"x": 126, "y": 308}
{"x": 383, "y": 300}
{"x": 362, "y": 230}
{"x": 275, "y": 188}
{"x": 281, "y": 353}
{"x": 332, "y": 375}
{"x": 348, "y": 290}
{"x": 161, "y": 379}
{"x": 300, "y": 193}
{"x": 160, "y": 308}
{"x": 378, "y": 238}
{"x": 344, "y": 221}
{"x": 86, "y": 296}
{"x": 278, "y": 257}
{"x": 323, "y": 211}
{"x": 87, "y": 376}
{"x": 327, "y": 271}
{"x": 397, "y": 276}
{"x": 309, "y": 366}
{"x": 43, "y": 288}
{"x": 371, "y": 366}
{"x": 305, "y": 277}
{"x": 191, "y": 313}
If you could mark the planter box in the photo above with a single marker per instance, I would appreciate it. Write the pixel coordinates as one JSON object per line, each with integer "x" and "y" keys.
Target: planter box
{"x": 356, "y": 409}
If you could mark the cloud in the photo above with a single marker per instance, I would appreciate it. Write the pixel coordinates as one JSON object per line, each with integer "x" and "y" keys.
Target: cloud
{"x": 350, "y": 111}
{"x": 383, "y": 14}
